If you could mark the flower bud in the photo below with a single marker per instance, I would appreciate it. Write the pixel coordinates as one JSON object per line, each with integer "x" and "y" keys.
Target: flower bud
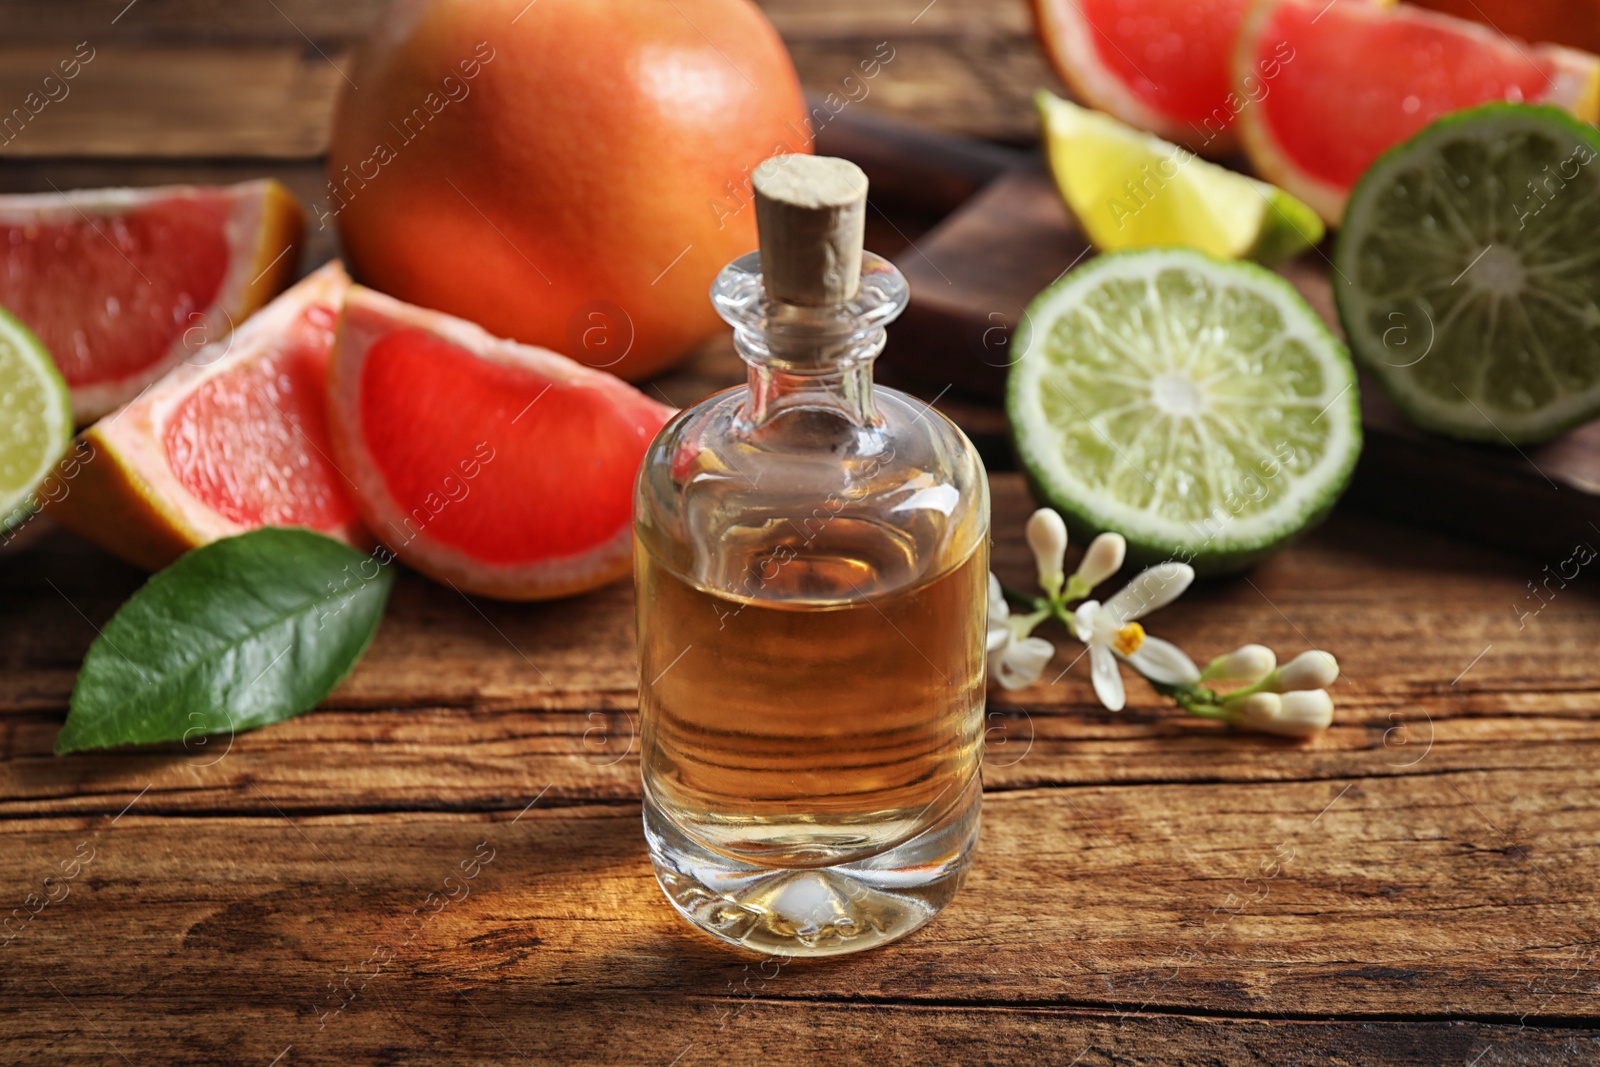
{"x": 1258, "y": 711}
{"x": 1298, "y": 714}
{"x": 1305, "y": 712}
{"x": 1047, "y": 538}
{"x": 1248, "y": 663}
{"x": 1308, "y": 670}
{"x": 1102, "y": 560}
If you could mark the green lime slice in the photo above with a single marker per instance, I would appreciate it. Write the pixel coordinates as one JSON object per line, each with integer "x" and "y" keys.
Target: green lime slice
{"x": 1131, "y": 189}
{"x": 1468, "y": 273}
{"x": 35, "y": 419}
{"x": 1195, "y": 405}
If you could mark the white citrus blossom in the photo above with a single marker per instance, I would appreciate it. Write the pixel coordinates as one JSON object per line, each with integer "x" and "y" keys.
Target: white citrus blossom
{"x": 1291, "y": 700}
{"x": 1047, "y": 539}
{"x": 1015, "y": 659}
{"x": 1112, "y": 632}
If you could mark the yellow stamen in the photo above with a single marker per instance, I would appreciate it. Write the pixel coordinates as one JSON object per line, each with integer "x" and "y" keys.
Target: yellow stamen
{"x": 1128, "y": 639}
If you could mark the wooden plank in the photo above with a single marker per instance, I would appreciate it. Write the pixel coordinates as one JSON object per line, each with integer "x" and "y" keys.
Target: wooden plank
{"x": 1432, "y": 896}
{"x": 463, "y": 704}
{"x": 897, "y": 19}
{"x": 264, "y": 101}
{"x": 980, "y": 86}
{"x": 972, "y": 276}
{"x": 964, "y": 66}
{"x": 180, "y": 79}
{"x": 482, "y": 1021}
{"x": 487, "y": 759}
{"x": 210, "y": 22}
{"x": 345, "y": 23}
{"x": 1427, "y": 894}
{"x": 1406, "y": 612}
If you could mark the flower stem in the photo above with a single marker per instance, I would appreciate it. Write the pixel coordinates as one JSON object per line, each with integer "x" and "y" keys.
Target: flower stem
{"x": 1023, "y": 625}
{"x": 1208, "y": 711}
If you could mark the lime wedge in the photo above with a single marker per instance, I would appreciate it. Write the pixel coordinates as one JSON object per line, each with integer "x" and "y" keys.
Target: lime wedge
{"x": 1131, "y": 189}
{"x": 35, "y": 419}
{"x": 1195, "y": 405}
{"x": 1468, "y": 276}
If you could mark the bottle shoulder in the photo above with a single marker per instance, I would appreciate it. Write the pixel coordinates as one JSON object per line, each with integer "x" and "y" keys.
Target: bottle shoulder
{"x": 850, "y": 509}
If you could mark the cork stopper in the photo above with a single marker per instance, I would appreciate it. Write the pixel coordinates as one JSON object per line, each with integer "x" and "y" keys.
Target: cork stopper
{"x": 811, "y": 212}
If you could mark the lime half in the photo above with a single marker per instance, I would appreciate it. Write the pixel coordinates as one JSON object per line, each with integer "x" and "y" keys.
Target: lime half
{"x": 1131, "y": 189}
{"x": 1469, "y": 274}
{"x": 1197, "y": 406}
{"x": 35, "y": 419}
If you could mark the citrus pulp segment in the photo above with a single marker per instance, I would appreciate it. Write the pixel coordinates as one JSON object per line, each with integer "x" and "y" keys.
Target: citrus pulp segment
{"x": 1468, "y": 276}
{"x": 233, "y": 439}
{"x": 1131, "y": 189}
{"x": 1158, "y": 65}
{"x": 500, "y": 468}
{"x": 1195, "y": 405}
{"x": 1364, "y": 75}
{"x": 121, "y": 285}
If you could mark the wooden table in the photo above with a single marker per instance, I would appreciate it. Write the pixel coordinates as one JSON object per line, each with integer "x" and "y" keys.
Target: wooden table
{"x": 1417, "y": 885}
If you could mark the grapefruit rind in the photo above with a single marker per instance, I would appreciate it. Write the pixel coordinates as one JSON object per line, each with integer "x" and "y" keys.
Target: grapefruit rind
{"x": 1068, "y": 41}
{"x": 124, "y": 495}
{"x": 44, "y": 429}
{"x": 369, "y": 316}
{"x": 1478, "y": 415}
{"x": 263, "y": 232}
{"x": 1575, "y": 87}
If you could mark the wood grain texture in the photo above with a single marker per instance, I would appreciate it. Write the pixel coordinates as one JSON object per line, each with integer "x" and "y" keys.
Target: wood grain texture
{"x": 216, "y": 23}
{"x": 1418, "y": 878}
{"x": 181, "y": 79}
{"x": 164, "y": 102}
{"x": 1121, "y": 904}
{"x": 1415, "y": 886}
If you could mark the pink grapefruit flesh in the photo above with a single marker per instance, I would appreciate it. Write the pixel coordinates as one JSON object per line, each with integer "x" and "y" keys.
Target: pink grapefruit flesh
{"x": 123, "y": 284}
{"x": 501, "y": 468}
{"x": 275, "y": 401}
{"x": 1161, "y": 65}
{"x": 1365, "y": 76}
{"x": 233, "y": 439}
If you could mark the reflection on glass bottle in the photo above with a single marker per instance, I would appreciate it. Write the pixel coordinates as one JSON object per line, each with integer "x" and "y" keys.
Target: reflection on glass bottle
{"x": 811, "y": 564}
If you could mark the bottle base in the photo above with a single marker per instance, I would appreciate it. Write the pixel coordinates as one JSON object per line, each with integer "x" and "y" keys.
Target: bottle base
{"x": 815, "y": 911}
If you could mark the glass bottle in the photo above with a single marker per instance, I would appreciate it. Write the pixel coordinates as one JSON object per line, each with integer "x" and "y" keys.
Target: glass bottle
{"x": 811, "y": 562}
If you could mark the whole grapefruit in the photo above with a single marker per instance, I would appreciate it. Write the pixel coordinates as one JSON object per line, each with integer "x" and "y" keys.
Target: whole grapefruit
{"x": 568, "y": 173}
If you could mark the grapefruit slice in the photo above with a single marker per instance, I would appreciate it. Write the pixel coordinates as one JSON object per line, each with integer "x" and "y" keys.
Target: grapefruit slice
{"x": 121, "y": 285}
{"x": 1160, "y": 65}
{"x": 500, "y": 468}
{"x": 1365, "y": 76}
{"x": 233, "y": 439}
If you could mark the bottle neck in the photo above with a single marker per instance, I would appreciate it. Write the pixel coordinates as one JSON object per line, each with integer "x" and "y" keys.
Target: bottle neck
{"x": 842, "y": 388}
{"x": 810, "y": 358}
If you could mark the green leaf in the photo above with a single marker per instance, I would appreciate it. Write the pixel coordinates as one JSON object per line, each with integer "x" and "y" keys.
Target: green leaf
{"x": 237, "y": 634}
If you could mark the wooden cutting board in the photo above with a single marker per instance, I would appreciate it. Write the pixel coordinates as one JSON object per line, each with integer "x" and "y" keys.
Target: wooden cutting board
{"x": 973, "y": 274}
